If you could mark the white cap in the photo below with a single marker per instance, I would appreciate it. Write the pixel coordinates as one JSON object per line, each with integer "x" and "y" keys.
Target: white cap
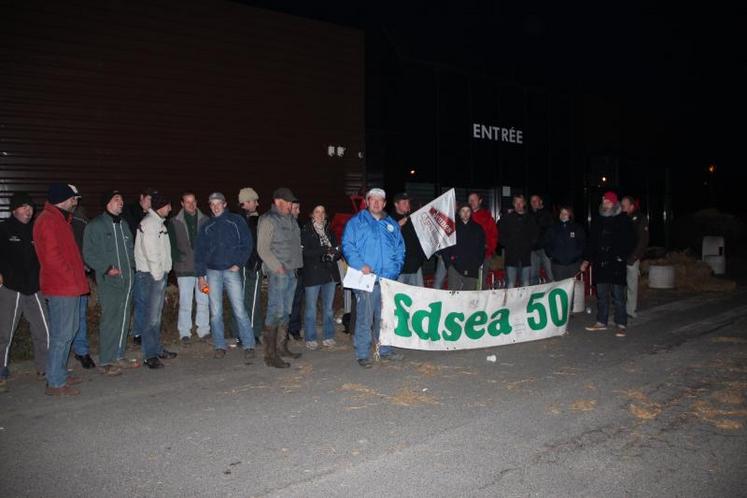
{"x": 377, "y": 192}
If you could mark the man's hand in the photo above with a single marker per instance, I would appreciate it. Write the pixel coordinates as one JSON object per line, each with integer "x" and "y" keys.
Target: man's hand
{"x": 234, "y": 268}
{"x": 366, "y": 269}
{"x": 201, "y": 283}
{"x": 113, "y": 272}
{"x": 403, "y": 221}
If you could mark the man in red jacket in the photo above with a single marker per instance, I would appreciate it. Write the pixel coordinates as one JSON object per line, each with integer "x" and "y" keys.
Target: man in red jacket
{"x": 486, "y": 221}
{"x": 62, "y": 281}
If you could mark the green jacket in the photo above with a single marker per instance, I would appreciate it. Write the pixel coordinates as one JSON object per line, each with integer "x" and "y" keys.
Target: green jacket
{"x": 107, "y": 244}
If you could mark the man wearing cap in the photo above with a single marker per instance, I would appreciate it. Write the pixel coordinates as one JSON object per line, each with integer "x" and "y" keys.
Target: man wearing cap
{"x": 19, "y": 286}
{"x": 224, "y": 243}
{"x": 279, "y": 246}
{"x": 153, "y": 264}
{"x": 183, "y": 230}
{"x": 108, "y": 249}
{"x": 412, "y": 270}
{"x": 372, "y": 243}
{"x": 252, "y": 270}
{"x": 133, "y": 214}
{"x": 611, "y": 241}
{"x": 62, "y": 280}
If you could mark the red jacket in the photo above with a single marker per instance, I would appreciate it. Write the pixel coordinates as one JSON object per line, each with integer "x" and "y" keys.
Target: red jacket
{"x": 482, "y": 217}
{"x": 62, "y": 272}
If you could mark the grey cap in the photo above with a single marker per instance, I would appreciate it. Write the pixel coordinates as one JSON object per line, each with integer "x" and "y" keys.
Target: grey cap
{"x": 217, "y": 196}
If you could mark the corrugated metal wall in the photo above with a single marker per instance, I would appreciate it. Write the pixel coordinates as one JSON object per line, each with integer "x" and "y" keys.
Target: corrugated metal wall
{"x": 177, "y": 94}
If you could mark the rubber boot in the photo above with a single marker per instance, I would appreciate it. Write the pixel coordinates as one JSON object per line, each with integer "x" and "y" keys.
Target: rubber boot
{"x": 272, "y": 359}
{"x": 283, "y": 343}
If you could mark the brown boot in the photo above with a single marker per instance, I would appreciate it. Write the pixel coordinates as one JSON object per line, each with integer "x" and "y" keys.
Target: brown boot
{"x": 269, "y": 344}
{"x": 283, "y": 343}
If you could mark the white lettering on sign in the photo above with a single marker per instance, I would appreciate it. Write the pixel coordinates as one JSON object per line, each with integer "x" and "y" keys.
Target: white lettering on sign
{"x": 497, "y": 133}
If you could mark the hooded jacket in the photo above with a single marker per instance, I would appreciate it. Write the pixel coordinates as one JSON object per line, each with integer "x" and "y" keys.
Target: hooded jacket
{"x": 611, "y": 240}
{"x": 61, "y": 265}
{"x": 19, "y": 265}
{"x": 222, "y": 242}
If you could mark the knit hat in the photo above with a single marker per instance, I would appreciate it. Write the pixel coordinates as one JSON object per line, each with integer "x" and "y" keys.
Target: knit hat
{"x": 285, "y": 194}
{"x": 107, "y": 196}
{"x": 377, "y": 192}
{"x": 248, "y": 194}
{"x": 20, "y": 199}
{"x": 158, "y": 200}
{"x": 610, "y": 196}
{"x": 401, "y": 196}
{"x": 60, "y": 192}
{"x": 217, "y": 196}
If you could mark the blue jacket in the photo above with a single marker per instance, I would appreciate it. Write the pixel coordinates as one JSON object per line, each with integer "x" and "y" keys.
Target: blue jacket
{"x": 376, "y": 243}
{"x": 222, "y": 241}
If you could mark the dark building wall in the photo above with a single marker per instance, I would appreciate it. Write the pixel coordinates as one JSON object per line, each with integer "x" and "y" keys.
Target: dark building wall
{"x": 201, "y": 95}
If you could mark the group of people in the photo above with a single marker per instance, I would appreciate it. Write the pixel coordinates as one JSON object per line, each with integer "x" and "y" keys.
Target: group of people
{"x": 131, "y": 249}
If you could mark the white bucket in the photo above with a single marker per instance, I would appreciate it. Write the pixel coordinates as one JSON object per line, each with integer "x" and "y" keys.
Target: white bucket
{"x": 717, "y": 264}
{"x": 661, "y": 277}
{"x": 579, "y": 297}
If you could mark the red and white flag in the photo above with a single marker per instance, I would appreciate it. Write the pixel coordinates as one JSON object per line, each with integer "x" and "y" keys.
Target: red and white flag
{"x": 435, "y": 224}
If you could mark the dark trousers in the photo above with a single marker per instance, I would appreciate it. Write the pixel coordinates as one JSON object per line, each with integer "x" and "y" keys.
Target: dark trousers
{"x": 618, "y": 301}
{"x": 295, "y": 323}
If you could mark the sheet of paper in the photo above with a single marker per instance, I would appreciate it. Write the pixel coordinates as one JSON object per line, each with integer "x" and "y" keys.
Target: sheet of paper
{"x": 355, "y": 279}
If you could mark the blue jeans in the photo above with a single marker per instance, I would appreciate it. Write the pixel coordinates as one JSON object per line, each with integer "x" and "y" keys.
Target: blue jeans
{"x": 618, "y": 301}
{"x": 80, "y": 341}
{"x": 540, "y": 260}
{"x": 153, "y": 294}
{"x": 280, "y": 292}
{"x": 309, "y": 321}
{"x": 368, "y": 322}
{"x": 415, "y": 279}
{"x": 187, "y": 291}
{"x": 64, "y": 320}
{"x": 513, "y": 271}
{"x": 232, "y": 282}
{"x": 139, "y": 304}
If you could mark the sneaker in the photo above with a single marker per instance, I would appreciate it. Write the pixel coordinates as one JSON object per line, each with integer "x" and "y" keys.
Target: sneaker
{"x": 219, "y": 354}
{"x": 125, "y": 363}
{"x": 249, "y": 356}
{"x": 66, "y": 390}
{"x": 597, "y": 327}
{"x": 312, "y": 345}
{"x": 620, "y": 331}
{"x": 329, "y": 343}
{"x": 186, "y": 341}
{"x": 167, "y": 355}
{"x": 393, "y": 357}
{"x": 72, "y": 380}
{"x": 365, "y": 363}
{"x": 238, "y": 343}
{"x": 137, "y": 340}
{"x": 111, "y": 370}
{"x": 3, "y": 385}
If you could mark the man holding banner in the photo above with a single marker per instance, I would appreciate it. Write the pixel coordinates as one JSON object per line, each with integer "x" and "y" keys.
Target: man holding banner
{"x": 372, "y": 243}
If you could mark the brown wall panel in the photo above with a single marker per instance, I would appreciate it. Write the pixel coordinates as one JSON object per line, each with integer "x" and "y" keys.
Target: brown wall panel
{"x": 202, "y": 95}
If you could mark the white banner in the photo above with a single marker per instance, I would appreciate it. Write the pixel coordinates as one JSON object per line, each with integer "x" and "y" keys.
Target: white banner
{"x": 435, "y": 224}
{"x": 436, "y": 320}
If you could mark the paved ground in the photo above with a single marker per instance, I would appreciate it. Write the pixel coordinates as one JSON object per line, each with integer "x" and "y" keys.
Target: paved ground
{"x": 660, "y": 413}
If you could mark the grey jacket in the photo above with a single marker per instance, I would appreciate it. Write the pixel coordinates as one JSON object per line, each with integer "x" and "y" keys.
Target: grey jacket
{"x": 279, "y": 241}
{"x": 182, "y": 252}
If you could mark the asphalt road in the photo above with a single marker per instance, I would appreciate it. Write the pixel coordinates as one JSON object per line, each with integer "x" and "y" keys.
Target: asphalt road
{"x": 659, "y": 413}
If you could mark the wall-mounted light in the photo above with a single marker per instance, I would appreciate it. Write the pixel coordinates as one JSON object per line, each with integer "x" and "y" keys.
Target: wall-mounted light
{"x": 412, "y": 171}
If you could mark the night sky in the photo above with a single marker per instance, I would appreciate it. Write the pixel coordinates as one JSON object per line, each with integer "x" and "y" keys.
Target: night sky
{"x": 671, "y": 76}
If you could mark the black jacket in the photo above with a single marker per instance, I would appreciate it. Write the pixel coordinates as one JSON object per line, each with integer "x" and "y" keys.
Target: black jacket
{"x": 316, "y": 271}
{"x": 565, "y": 243}
{"x": 18, "y": 262}
{"x": 254, "y": 263}
{"x": 519, "y": 234}
{"x": 544, "y": 220}
{"x": 133, "y": 214}
{"x": 469, "y": 252}
{"x": 611, "y": 240}
{"x": 414, "y": 255}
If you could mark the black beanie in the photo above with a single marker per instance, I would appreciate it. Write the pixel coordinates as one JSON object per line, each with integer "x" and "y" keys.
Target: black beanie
{"x": 20, "y": 199}
{"x": 107, "y": 197}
